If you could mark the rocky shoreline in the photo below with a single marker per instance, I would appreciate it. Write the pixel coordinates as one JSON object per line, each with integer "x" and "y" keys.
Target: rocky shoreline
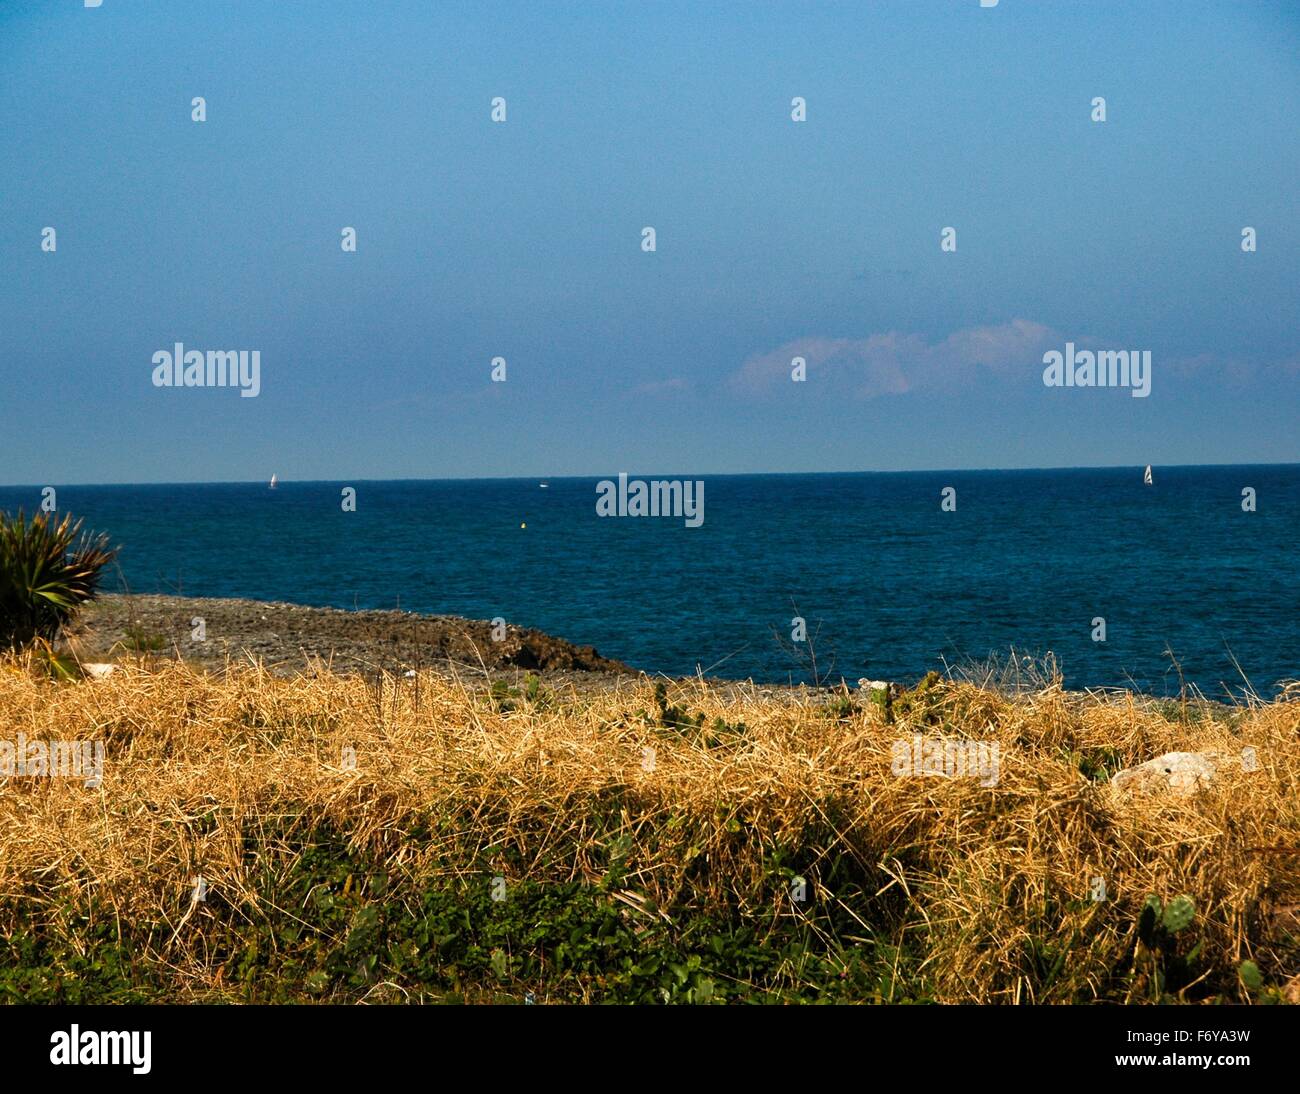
{"x": 291, "y": 638}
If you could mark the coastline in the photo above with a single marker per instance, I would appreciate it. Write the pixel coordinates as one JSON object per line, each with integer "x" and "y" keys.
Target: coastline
{"x": 292, "y": 639}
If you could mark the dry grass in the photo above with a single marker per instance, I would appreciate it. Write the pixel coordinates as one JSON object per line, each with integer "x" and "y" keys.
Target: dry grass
{"x": 987, "y": 887}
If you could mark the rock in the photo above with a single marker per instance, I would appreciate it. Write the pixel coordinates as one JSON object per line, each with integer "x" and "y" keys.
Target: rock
{"x": 880, "y": 694}
{"x": 287, "y": 635}
{"x": 97, "y": 670}
{"x": 1179, "y": 773}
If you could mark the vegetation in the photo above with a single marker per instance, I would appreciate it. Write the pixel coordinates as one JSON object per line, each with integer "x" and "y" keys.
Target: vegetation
{"x": 459, "y": 842}
{"x": 48, "y": 569}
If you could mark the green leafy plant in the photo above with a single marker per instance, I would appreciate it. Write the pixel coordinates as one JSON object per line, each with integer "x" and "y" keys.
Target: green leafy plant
{"x": 501, "y": 695}
{"x": 674, "y": 717}
{"x": 1167, "y": 970}
{"x": 1178, "y": 915}
{"x": 919, "y": 705}
{"x": 681, "y": 720}
{"x": 48, "y": 570}
{"x": 538, "y": 694}
{"x": 883, "y": 700}
{"x": 1253, "y": 981}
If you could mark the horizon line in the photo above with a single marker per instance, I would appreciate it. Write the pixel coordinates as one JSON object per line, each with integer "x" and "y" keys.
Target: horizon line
{"x": 600, "y": 476}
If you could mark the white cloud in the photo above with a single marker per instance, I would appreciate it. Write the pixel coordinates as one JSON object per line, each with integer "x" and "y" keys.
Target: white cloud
{"x": 894, "y": 363}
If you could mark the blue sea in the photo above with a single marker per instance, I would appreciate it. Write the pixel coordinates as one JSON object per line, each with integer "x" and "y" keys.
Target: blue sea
{"x": 890, "y": 584}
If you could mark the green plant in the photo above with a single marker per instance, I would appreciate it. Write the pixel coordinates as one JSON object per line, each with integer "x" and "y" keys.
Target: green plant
{"x": 1167, "y": 971}
{"x": 883, "y": 700}
{"x": 919, "y": 705}
{"x": 681, "y": 720}
{"x": 501, "y": 695}
{"x": 840, "y": 707}
{"x": 48, "y": 569}
{"x": 1097, "y": 764}
{"x": 60, "y": 666}
{"x": 1253, "y": 981}
{"x": 674, "y": 717}
{"x": 358, "y": 931}
{"x": 538, "y": 694}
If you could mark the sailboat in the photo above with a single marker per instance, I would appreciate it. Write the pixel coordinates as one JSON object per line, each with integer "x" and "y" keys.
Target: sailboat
{"x": 272, "y": 486}
{"x": 1146, "y": 475}
{"x": 544, "y": 485}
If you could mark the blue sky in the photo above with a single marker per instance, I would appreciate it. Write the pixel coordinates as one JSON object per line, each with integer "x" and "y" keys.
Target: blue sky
{"x": 523, "y": 239}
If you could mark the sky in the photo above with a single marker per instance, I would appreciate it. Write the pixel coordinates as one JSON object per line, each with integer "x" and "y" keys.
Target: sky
{"x": 523, "y": 239}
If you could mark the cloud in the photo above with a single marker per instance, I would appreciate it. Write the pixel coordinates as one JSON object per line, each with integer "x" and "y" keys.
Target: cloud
{"x": 895, "y": 363}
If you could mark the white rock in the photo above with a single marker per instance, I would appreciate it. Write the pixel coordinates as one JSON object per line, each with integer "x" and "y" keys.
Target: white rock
{"x": 97, "y": 670}
{"x": 1180, "y": 773}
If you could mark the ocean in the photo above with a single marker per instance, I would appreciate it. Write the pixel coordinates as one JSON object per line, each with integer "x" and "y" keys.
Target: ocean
{"x": 890, "y": 585}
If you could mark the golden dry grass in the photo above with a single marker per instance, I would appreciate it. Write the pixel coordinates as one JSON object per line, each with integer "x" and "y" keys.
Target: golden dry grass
{"x": 986, "y": 887}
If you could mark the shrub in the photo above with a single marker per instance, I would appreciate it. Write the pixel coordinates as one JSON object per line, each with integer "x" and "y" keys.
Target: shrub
{"x": 48, "y": 569}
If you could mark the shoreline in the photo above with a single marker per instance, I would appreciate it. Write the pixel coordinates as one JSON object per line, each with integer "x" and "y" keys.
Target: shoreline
{"x": 292, "y": 639}
{"x": 296, "y": 639}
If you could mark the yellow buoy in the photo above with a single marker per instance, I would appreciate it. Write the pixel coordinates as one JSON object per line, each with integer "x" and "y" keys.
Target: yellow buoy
{"x": 523, "y": 526}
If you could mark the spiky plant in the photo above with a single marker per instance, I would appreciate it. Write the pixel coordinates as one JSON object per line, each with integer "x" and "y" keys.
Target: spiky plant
{"x": 48, "y": 569}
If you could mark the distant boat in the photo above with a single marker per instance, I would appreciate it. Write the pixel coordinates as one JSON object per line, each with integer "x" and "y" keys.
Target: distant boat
{"x": 272, "y": 486}
{"x": 544, "y": 485}
{"x": 1146, "y": 475}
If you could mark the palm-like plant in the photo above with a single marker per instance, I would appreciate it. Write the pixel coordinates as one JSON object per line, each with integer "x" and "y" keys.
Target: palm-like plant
{"x": 48, "y": 569}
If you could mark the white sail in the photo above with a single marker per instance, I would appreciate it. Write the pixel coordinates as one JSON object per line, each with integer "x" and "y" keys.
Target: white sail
{"x": 272, "y": 481}
{"x": 1146, "y": 475}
